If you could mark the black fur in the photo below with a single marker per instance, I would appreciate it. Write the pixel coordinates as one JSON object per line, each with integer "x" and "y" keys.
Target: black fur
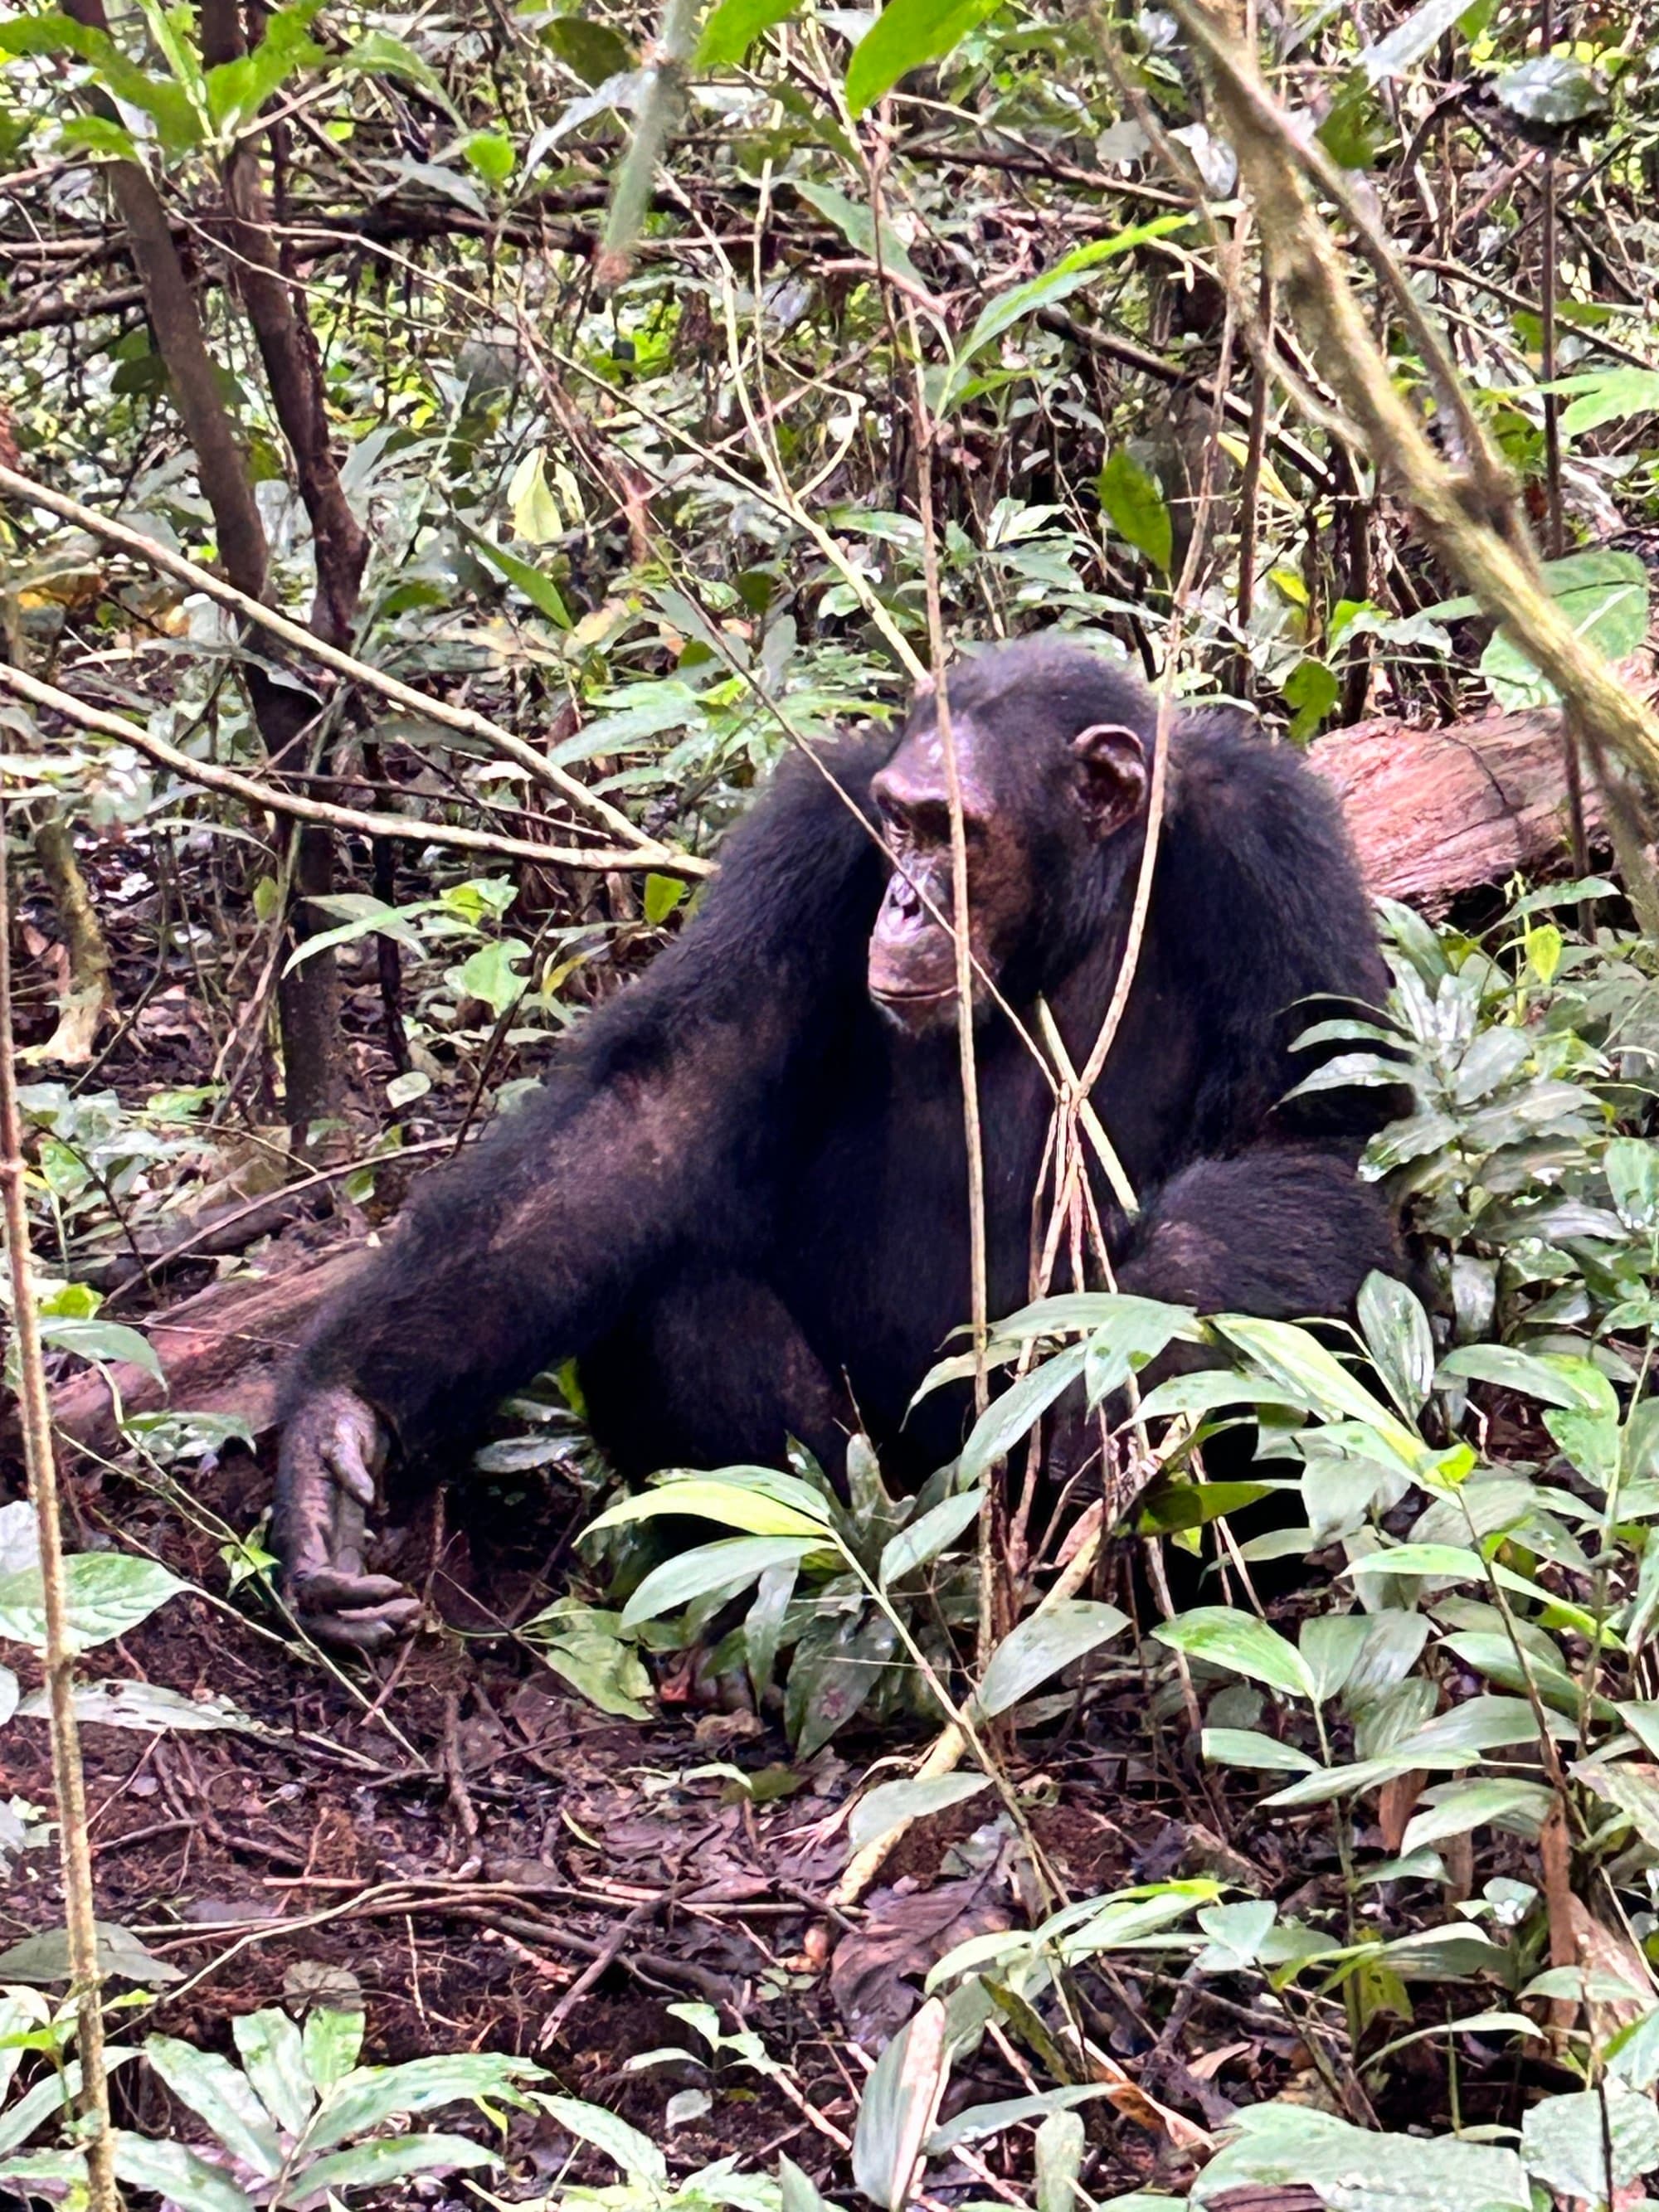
{"x": 739, "y": 1200}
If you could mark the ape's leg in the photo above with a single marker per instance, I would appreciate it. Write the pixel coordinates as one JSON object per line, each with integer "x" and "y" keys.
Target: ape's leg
{"x": 1285, "y": 1233}
{"x": 733, "y": 1379}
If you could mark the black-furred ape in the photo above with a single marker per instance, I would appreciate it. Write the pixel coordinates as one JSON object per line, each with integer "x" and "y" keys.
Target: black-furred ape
{"x": 739, "y": 1198}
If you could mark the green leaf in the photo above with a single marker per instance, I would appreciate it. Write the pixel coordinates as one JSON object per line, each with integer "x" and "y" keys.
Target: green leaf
{"x": 116, "y": 1702}
{"x": 381, "y": 55}
{"x": 1470, "y": 1805}
{"x": 1276, "y": 2146}
{"x": 372, "y": 2164}
{"x": 1408, "y": 42}
{"x": 1400, "y": 1340}
{"x": 1630, "y": 1788}
{"x": 924, "y": 1539}
{"x": 1631, "y": 1165}
{"x": 44, "y": 1959}
{"x": 1297, "y": 1359}
{"x": 1060, "y": 2141}
{"x": 333, "y": 2037}
{"x": 1332, "y": 1645}
{"x": 1604, "y": 595}
{"x": 218, "y": 2092}
{"x": 108, "y": 1592}
{"x": 1558, "y": 1378}
{"x": 1567, "y": 2143}
{"x": 1003, "y": 309}
{"x": 1552, "y": 88}
{"x": 490, "y": 155}
{"x": 729, "y": 1566}
{"x": 105, "y": 1342}
{"x": 733, "y": 27}
{"x": 542, "y": 592}
{"x": 1007, "y": 1419}
{"x": 762, "y": 1628}
{"x": 625, "y": 2147}
{"x": 536, "y": 515}
{"x": 489, "y": 974}
{"x": 1312, "y": 691}
{"x": 1244, "y": 1747}
{"x": 609, "y": 1673}
{"x": 706, "y": 1497}
{"x": 977, "y": 2122}
{"x": 891, "y": 1804}
{"x": 236, "y": 90}
{"x": 797, "y": 2192}
{"x": 1609, "y": 395}
{"x": 1136, "y": 508}
{"x": 273, "y": 2056}
{"x": 896, "y": 2112}
{"x": 369, "y": 2097}
{"x": 1043, "y": 1644}
{"x": 833, "y": 1675}
{"x": 1239, "y": 1641}
{"x": 857, "y": 225}
{"x": 905, "y": 35}
{"x": 662, "y": 895}
{"x": 176, "y": 2174}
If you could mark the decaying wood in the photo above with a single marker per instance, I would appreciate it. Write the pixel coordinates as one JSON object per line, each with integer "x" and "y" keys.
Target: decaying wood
{"x": 223, "y": 1352}
{"x": 1433, "y": 812}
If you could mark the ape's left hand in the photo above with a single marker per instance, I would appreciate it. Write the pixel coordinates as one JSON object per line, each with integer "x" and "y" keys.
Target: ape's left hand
{"x": 332, "y": 1449}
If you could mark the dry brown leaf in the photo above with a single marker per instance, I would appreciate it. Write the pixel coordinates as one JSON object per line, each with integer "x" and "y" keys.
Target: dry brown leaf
{"x": 1395, "y": 1802}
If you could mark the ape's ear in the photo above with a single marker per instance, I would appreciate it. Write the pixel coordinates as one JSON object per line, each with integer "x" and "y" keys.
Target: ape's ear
{"x": 1111, "y": 760}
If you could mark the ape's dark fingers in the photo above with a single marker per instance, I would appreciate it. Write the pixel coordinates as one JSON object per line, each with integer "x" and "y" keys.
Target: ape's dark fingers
{"x": 364, "y": 1628}
{"x": 329, "y": 1591}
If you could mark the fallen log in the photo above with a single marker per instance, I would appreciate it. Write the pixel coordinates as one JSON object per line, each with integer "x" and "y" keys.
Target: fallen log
{"x": 1433, "y": 812}
{"x": 222, "y": 1352}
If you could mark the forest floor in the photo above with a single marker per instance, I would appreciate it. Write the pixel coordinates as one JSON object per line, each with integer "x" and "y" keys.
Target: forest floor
{"x": 493, "y": 1864}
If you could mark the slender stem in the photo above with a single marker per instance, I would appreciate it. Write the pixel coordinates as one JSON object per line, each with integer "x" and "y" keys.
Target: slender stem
{"x": 75, "y": 1852}
{"x": 460, "y": 718}
{"x": 252, "y": 793}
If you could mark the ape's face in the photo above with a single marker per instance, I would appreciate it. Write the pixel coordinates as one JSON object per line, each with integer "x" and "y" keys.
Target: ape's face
{"x": 1037, "y": 803}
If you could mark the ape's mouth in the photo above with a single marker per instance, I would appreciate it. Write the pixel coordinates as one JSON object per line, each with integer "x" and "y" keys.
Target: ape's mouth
{"x": 913, "y": 998}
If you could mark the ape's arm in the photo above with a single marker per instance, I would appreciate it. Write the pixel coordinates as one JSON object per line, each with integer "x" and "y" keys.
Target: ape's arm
{"x": 663, "y": 1123}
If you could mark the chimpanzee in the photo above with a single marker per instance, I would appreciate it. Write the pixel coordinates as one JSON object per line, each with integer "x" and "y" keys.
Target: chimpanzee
{"x": 739, "y": 1198}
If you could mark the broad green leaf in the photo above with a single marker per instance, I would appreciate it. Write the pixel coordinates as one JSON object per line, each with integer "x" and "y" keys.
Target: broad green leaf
{"x": 273, "y": 2055}
{"x": 1069, "y": 275}
{"x": 1226, "y": 1637}
{"x": 1331, "y": 1645}
{"x": 1558, "y": 1379}
{"x": 1604, "y": 595}
{"x": 978, "y": 2121}
{"x": 372, "y": 2164}
{"x": 704, "y": 1497}
{"x": 1351, "y": 2169}
{"x": 1451, "y": 1563}
{"x": 44, "y": 1959}
{"x": 662, "y": 895}
{"x": 833, "y": 1674}
{"x": 1297, "y": 1358}
{"x": 107, "y": 1593}
{"x": 1060, "y": 2142}
{"x": 1009, "y": 1418}
{"x": 1041, "y": 1646}
{"x": 906, "y": 34}
{"x": 1136, "y": 508}
{"x": 1408, "y": 43}
{"x": 729, "y": 1565}
{"x": 1400, "y": 1340}
{"x": 857, "y": 225}
{"x": 891, "y": 1804}
{"x": 381, "y": 55}
{"x": 762, "y": 1628}
{"x": 733, "y": 27}
{"x": 177, "y": 2175}
{"x": 1226, "y": 1747}
{"x": 896, "y": 2110}
{"x": 236, "y": 90}
{"x": 609, "y": 1673}
{"x": 1567, "y": 2143}
{"x": 593, "y": 50}
{"x": 108, "y": 1342}
{"x": 541, "y": 590}
{"x": 1629, "y": 1785}
{"x": 1552, "y": 88}
{"x": 536, "y": 515}
{"x": 116, "y": 1702}
{"x": 1609, "y": 395}
{"x": 1237, "y": 1933}
{"x": 1469, "y": 1805}
{"x": 1631, "y": 1165}
{"x": 219, "y": 2093}
{"x": 798, "y": 2192}
{"x": 924, "y": 1539}
{"x": 369, "y": 2097}
{"x": 490, "y": 154}
{"x": 333, "y": 2037}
